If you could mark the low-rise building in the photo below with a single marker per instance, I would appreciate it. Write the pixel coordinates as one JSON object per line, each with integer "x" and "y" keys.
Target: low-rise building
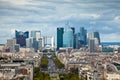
{"x": 11, "y": 71}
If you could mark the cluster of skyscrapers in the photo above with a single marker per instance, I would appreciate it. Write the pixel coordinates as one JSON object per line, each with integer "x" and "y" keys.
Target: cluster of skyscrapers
{"x": 67, "y": 38}
{"x": 22, "y": 39}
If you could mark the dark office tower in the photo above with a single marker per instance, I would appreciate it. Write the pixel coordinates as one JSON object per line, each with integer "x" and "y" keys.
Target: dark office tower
{"x": 21, "y": 37}
{"x": 74, "y": 41}
{"x": 91, "y": 45}
{"x": 96, "y": 35}
{"x": 83, "y": 36}
{"x": 73, "y": 30}
{"x": 60, "y": 32}
{"x": 77, "y": 39}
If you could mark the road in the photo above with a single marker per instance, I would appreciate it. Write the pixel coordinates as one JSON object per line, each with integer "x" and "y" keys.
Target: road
{"x": 51, "y": 66}
{"x": 53, "y": 69}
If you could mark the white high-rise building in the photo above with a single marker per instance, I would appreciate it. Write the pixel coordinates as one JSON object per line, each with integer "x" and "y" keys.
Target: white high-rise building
{"x": 36, "y": 34}
{"x": 52, "y": 42}
{"x": 91, "y": 45}
{"x": 90, "y": 37}
{"x": 29, "y": 42}
{"x": 11, "y": 44}
{"x": 41, "y": 42}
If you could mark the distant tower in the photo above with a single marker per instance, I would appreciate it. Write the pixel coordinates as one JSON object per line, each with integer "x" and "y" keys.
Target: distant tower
{"x": 41, "y": 43}
{"x": 96, "y": 35}
{"x": 91, "y": 45}
{"x": 77, "y": 40}
{"x": 73, "y": 30}
{"x": 17, "y": 47}
{"x": 74, "y": 41}
{"x": 52, "y": 42}
{"x": 21, "y": 37}
{"x": 96, "y": 41}
{"x": 11, "y": 44}
{"x": 29, "y": 42}
{"x": 60, "y": 32}
{"x": 36, "y": 34}
{"x": 68, "y": 37}
{"x": 83, "y": 35}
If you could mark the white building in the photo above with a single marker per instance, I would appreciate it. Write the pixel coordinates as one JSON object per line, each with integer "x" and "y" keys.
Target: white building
{"x": 10, "y": 71}
{"x": 11, "y": 44}
{"x": 29, "y": 42}
{"x": 113, "y": 76}
{"x": 36, "y": 34}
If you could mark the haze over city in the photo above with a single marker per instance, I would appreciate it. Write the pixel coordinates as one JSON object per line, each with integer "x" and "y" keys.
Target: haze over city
{"x": 23, "y": 15}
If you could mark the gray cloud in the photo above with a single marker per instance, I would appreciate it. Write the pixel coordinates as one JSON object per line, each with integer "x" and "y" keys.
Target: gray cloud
{"x": 101, "y": 15}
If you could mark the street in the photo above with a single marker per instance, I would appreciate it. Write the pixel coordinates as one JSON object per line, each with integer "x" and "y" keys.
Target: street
{"x": 51, "y": 66}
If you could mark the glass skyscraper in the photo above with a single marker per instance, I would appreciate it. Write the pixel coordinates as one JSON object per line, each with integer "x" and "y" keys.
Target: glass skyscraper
{"x": 29, "y": 42}
{"x": 60, "y": 32}
{"x": 21, "y": 37}
{"x": 36, "y": 34}
{"x": 73, "y": 30}
{"x": 96, "y": 35}
{"x": 77, "y": 38}
{"x": 68, "y": 37}
{"x": 74, "y": 41}
{"x": 91, "y": 45}
{"x": 83, "y": 36}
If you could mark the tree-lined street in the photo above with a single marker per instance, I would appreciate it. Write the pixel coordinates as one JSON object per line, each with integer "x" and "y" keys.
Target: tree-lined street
{"x": 52, "y": 69}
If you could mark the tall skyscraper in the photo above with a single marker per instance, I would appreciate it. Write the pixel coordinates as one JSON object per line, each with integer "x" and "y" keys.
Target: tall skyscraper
{"x": 29, "y": 43}
{"x": 77, "y": 38}
{"x": 96, "y": 35}
{"x": 52, "y": 42}
{"x": 11, "y": 44}
{"x": 68, "y": 37}
{"x": 18, "y": 33}
{"x": 91, "y": 45}
{"x": 41, "y": 43}
{"x": 83, "y": 35}
{"x": 21, "y": 37}
{"x": 74, "y": 41}
{"x": 17, "y": 47}
{"x": 73, "y": 30}
{"x": 35, "y": 44}
{"x": 60, "y": 32}
{"x": 36, "y": 34}
{"x": 96, "y": 42}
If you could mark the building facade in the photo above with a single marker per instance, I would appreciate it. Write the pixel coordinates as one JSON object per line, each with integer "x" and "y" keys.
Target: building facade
{"x": 96, "y": 35}
{"x": 83, "y": 36}
{"x": 36, "y": 34}
{"x": 91, "y": 45}
{"x": 17, "y": 47}
{"x": 21, "y": 37}
{"x": 68, "y": 38}
{"x": 41, "y": 43}
{"x": 77, "y": 38}
{"x": 11, "y": 44}
{"x": 60, "y": 32}
{"x": 29, "y": 43}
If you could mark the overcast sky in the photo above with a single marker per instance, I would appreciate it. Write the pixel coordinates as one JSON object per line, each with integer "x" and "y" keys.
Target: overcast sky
{"x": 47, "y": 15}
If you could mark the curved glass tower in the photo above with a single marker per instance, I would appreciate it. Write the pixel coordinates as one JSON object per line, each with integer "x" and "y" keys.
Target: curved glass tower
{"x": 96, "y": 35}
{"x": 68, "y": 38}
{"x": 60, "y": 32}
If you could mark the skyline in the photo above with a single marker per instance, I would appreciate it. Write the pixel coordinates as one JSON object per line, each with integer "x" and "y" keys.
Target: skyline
{"x": 28, "y": 15}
